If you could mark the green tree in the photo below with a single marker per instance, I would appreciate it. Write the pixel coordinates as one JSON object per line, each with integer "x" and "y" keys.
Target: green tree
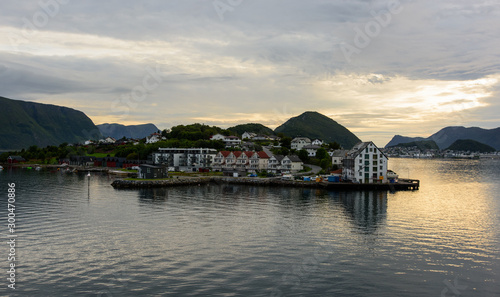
{"x": 321, "y": 153}
{"x": 303, "y": 155}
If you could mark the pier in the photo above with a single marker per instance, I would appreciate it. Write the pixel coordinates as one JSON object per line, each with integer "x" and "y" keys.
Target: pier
{"x": 402, "y": 185}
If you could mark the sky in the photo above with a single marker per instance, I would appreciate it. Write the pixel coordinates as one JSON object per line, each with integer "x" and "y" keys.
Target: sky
{"x": 379, "y": 68}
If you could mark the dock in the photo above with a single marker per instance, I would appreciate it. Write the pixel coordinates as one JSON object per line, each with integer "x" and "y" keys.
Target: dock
{"x": 401, "y": 185}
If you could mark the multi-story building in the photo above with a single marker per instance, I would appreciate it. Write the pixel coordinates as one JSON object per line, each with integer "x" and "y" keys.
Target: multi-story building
{"x": 186, "y": 159}
{"x": 365, "y": 163}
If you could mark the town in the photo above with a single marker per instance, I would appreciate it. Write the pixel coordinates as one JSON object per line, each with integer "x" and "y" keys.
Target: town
{"x": 236, "y": 157}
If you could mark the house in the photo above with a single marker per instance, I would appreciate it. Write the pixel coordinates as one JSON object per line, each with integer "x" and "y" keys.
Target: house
{"x": 147, "y": 171}
{"x": 187, "y": 159}
{"x": 311, "y": 149}
{"x": 107, "y": 140}
{"x": 299, "y": 142}
{"x": 248, "y": 135}
{"x": 153, "y": 138}
{"x": 274, "y": 164}
{"x": 232, "y": 141}
{"x": 317, "y": 141}
{"x": 263, "y": 160}
{"x": 217, "y": 137}
{"x": 15, "y": 159}
{"x": 229, "y": 141}
{"x": 338, "y": 156}
{"x": 365, "y": 163}
{"x": 220, "y": 160}
{"x": 291, "y": 164}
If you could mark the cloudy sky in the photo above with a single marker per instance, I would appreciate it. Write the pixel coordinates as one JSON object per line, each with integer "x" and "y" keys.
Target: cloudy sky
{"x": 380, "y": 67}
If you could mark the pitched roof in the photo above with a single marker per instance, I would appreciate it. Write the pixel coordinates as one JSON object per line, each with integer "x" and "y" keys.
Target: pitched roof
{"x": 249, "y": 154}
{"x": 225, "y": 153}
{"x": 237, "y": 153}
{"x": 278, "y": 157}
{"x": 311, "y": 147}
{"x": 294, "y": 158}
{"x": 263, "y": 155}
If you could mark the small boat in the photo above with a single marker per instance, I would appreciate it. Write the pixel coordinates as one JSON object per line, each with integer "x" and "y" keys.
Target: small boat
{"x": 392, "y": 175}
{"x": 38, "y": 168}
{"x": 1, "y": 168}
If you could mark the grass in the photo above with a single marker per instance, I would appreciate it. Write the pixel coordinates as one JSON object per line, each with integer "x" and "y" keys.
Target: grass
{"x": 306, "y": 169}
{"x": 127, "y": 170}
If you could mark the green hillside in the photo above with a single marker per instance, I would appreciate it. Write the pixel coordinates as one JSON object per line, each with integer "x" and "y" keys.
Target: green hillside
{"x": 27, "y": 123}
{"x": 252, "y": 128}
{"x": 422, "y": 145}
{"x": 470, "y": 145}
{"x": 315, "y": 125}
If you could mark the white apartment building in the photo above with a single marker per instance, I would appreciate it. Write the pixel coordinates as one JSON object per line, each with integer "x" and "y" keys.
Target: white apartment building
{"x": 365, "y": 163}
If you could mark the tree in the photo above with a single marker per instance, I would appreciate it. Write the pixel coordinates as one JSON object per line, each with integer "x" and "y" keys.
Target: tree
{"x": 303, "y": 155}
{"x": 334, "y": 146}
{"x": 286, "y": 142}
{"x": 321, "y": 153}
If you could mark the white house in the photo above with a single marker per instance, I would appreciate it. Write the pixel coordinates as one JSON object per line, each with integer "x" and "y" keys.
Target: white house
{"x": 299, "y": 142}
{"x": 187, "y": 159}
{"x": 274, "y": 164}
{"x": 218, "y": 137}
{"x": 311, "y": 149}
{"x": 365, "y": 163}
{"x": 338, "y": 156}
{"x": 109, "y": 140}
{"x": 153, "y": 138}
{"x": 317, "y": 142}
{"x": 248, "y": 135}
{"x": 229, "y": 141}
{"x": 291, "y": 163}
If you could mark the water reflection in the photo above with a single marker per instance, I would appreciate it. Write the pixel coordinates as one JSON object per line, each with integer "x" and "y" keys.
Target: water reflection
{"x": 367, "y": 210}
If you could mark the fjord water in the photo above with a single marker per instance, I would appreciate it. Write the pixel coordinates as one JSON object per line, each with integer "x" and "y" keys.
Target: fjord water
{"x": 76, "y": 239}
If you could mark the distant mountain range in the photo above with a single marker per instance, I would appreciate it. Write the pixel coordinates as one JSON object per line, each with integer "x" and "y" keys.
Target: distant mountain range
{"x": 313, "y": 125}
{"x": 447, "y": 136}
{"x": 118, "y": 131}
{"x": 470, "y": 145}
{"x": 28, "y": 123}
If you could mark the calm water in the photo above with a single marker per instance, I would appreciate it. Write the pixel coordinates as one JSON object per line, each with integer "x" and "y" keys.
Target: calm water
{"x": 442, "y": 240}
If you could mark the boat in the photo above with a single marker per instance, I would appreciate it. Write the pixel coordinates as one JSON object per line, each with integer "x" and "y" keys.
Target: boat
{"x": 1, "y": 168}
{"x": 392, "y": 175}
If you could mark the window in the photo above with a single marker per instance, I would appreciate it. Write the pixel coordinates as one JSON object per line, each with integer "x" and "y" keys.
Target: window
{"x": 375, "y": 163}
{"x": 360, "y": 160}
{"x": 367, "y": 156}
{"x": 374, "y": 169}
{"x": 381, "y": 167}
{"x": 367, "y": 162}
{"x": 367, "y": 169}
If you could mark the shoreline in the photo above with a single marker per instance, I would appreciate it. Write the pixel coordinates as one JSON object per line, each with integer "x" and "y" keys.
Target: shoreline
{"x": 404, "y": 185}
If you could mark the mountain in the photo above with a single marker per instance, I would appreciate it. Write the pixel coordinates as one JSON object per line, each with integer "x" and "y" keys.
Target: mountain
{"x": 398, "y": 139}
{"x": 28, "y": 123}
{"x": 312, "y": 124}
{"x": 251, "y": 128}
{"x": 117, "y": 131}
{"x": 465, "y": 145}
{"x": 422, "y": 145}
{"x": 446, "y": 136}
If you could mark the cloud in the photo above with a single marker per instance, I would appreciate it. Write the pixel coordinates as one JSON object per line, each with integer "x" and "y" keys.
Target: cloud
{"x": 432, "y": 64}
